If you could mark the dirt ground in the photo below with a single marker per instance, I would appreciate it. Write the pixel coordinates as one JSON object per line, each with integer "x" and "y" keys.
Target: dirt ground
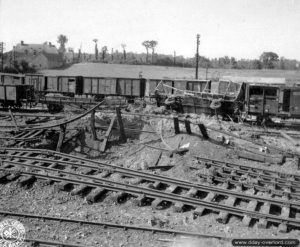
{"x": 138, "y": 153}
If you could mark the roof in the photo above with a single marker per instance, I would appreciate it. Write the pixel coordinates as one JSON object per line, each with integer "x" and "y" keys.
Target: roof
{"x": 256, "y": 80}
{"x": 37, "y": 47}
{"x": 10, "y": 74}
{"x": 53, "y": 57}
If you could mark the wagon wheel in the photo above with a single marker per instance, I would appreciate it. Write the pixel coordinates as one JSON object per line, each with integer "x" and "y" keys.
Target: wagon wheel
{"x": 215, "y": 104}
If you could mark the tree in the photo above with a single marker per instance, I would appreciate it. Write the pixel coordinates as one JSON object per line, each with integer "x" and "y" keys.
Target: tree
{"x": 282, "y": 63}
{"x": 153, "y": 44}
{"x": 233, "y": 63}
{"x": 104, "y": 50}
{"x": 124, "y": 51}
{"x": 268, "y": 59}
{"x": 147, "y": 45}
{"x": 96, "y": 48}
{"x": 256, "y": 64}
{"x": 62, "y": 40}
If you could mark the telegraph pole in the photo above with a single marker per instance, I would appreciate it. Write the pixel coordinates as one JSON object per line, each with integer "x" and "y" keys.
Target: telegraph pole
{"x": 174, "y": 61}
{"x": 197, "y": 55}
{"x": 1, "y": 54}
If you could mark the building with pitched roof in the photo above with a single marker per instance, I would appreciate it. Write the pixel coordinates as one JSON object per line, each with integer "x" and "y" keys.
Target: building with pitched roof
{"x": 39, "y": 56}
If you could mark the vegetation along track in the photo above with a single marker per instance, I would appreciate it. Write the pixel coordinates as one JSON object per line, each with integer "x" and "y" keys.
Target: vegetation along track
{"x": 94, "y": 179}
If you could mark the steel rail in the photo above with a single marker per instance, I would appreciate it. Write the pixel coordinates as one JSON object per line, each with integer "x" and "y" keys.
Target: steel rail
{"x": 286, "y": 194}
{"x": 251, "y": 170}
{"x": 20, "y": 138}
{"x": 50, "y": 152}
{"x": 284, "y": 185}
{"x": 146, "y": 176}
{"x": 39, "y": 242}
{"x": 114, "y": 225}
{"x": 67, "y": 121}
{"x": 151, "y": 193}
{"x": 16, "y": 114}
{"x": 156, "y": 178}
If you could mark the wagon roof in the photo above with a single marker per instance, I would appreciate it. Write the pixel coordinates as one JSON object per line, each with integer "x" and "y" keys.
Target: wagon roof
{"x": 256, "y": 80}
{"x": 14, "y": 75}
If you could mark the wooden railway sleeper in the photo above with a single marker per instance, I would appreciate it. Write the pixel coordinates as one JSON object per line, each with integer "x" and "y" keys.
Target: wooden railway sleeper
{"x": 3, "y": 175}
{"x": 80, "y": 189}
{"x": 26, "y": 180}
{"x": 251, "y": 207}
{"x": 136, "y": 181}
{"x": 154, "y": 185}
{"x": 119, "y": 197}
{"x": 223, "y": 215}
{"x": 13, "y": 175}
{"x": 262, "y": 223}
{"x": 139, "y": 200}
{"x": 63, "y": 185}
{"x": 283, "y": 227}
{"x": 172, "y": 188}
{"x": 95, "y": 195}
{"x": 200, "y": 210}
{"x": 156, "y": 204}
{"x": 192, "y": 192}
{"x": 178, "y": 207}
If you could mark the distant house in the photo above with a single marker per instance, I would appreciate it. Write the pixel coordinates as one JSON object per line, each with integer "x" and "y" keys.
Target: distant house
{"x": 39, "y": 56}
{"x": 69, "y": 56}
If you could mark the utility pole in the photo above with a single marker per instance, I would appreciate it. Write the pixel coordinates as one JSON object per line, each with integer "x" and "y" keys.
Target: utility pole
{"x": 197, "y": 55}
{"x": 1, "y": 54}
{"x": 96, "y": 49}
{"x": 174, "y": 62}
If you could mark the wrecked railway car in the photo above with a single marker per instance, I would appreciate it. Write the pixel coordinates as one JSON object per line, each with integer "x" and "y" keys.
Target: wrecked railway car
{"x": 261, "y": 98}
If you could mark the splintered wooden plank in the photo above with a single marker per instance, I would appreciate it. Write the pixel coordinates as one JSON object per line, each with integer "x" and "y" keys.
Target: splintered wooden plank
{"x": 121, "y": 126}
{"x": 62, "y": 134}
{"x": 94, "y": 134}
{"x": 13, "y": 119}
{"x": 107, "y": 134}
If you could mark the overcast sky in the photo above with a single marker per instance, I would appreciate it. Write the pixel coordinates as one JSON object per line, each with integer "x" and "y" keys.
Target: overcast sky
{"x": 239, "y": 28}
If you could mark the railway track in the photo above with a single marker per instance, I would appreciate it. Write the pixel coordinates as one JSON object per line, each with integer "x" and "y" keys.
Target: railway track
{"x": 261, "y": 179}
{"x": 106, "y": 225}
{"x": 95, "y": 179}
{"x": 41, "y": 243}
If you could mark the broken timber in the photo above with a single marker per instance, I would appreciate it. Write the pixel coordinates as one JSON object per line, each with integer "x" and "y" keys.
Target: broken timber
{"x": 289, "y": 138}
{"x": 13, "y": 119}
{"x": 62, "y": 134}
{"x": 277, "y": 159}
{"x": 187, "y": 123}
{"x": 107, "y": 134}
{"x": 93, "y": 125}
{"x": 121, "y": 126}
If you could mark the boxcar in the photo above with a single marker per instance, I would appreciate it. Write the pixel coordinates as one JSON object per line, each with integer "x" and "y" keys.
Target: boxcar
{"x": 131, "y": 87}
{"x": 99, "y": 86}
{"x": 13, "y": 95}
{"x": 12, "y": 79}
{"x": 36, "y": 80}
{"x": 181, "y": 84}
{"x": 272, "y": 100}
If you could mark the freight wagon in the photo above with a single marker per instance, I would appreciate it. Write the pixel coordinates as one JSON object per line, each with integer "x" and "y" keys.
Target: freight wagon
{"x": 12, "y": 79}
{"x": 15, "y": 95}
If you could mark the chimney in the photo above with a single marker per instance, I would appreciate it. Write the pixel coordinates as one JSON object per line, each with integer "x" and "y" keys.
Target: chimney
{"x": 50, "y": 44}
{"x": 22, "y": 42}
